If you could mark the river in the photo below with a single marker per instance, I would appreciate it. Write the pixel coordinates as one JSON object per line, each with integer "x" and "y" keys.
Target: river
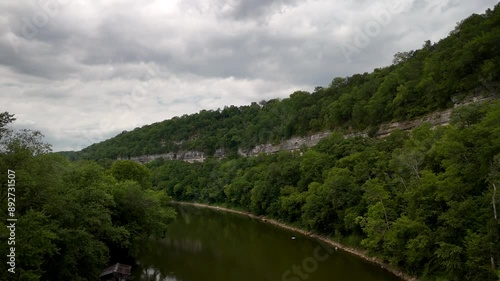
{"x": 210, "y": 245}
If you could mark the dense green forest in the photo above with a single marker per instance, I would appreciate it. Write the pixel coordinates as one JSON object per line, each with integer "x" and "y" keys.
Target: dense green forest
{"x": 465, "y": 63}
{"x": 423, "y": 201}
{"x": 72, "y": 217}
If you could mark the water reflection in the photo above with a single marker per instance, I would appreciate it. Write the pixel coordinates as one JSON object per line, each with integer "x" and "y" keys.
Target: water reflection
{"x": 208, "y": 245}
{"x": 188, "y": 245}
{"x": 154, "y": 274}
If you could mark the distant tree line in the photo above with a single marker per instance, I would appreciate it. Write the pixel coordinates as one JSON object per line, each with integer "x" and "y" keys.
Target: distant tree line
{"x": 466, "y": 63}
{"x": 424, "y": 201}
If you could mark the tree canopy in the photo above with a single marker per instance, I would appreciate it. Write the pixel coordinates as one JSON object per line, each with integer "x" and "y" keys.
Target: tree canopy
{"x": 464, "y": 64}
{"x": 423, "y": 201}
{"x": 72, "y": 217}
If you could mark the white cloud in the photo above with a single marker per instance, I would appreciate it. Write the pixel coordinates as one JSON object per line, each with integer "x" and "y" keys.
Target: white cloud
{"x": 79, "y": 71}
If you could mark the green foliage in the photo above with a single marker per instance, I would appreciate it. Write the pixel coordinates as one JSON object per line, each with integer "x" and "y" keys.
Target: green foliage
{"x": 422, "y": 201}
{"x": 467, "y": 115}
{"x": 5, "y": 118}
{"x": 464, "y": 64}
{"x": 73, "y": 216}
{"x": 38, "y": 237}
{"x": 140, "y": 212}
{"x": 291, "y": 203}
{"x": 129, "y": 170}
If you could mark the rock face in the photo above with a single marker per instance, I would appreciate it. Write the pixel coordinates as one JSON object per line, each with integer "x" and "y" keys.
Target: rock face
{"x": 438, "y": 118}
{"x": 188, "y": 156}
{"x": 292, "y": 144}
{"x": 296, "y": 143}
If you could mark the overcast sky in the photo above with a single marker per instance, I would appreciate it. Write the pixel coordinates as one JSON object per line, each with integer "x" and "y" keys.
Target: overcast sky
{"x": 83, "y": 71}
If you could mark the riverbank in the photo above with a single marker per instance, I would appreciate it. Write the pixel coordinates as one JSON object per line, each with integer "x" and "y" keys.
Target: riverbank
{"x": 324, "y": 239}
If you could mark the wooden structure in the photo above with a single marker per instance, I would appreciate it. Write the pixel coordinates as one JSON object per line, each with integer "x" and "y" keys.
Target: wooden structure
{"x": 116, "y": 272}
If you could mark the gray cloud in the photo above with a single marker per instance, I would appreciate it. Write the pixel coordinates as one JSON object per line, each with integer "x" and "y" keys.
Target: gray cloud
{"x": 81, "y": 70}
{"x": 250, "y": 10}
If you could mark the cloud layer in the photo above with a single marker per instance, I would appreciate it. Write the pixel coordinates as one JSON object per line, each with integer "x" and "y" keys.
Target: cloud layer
{"x": 82, "y": 71}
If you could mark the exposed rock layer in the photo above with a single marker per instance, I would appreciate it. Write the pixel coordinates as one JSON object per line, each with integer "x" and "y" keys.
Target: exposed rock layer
{"x": 438, "y": 118}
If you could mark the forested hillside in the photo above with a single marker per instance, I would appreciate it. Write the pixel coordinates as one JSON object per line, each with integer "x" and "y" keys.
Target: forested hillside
{"x": 70, "y": 220}
{"x": 424, "y": 201}
{"x": 418, "y": 82}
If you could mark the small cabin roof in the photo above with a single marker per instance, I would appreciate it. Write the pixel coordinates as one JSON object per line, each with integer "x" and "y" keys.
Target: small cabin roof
{"x": 123, "y": 269}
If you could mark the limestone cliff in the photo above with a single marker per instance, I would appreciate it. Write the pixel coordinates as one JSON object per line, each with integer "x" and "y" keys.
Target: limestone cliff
{"x": 439, "y": 118}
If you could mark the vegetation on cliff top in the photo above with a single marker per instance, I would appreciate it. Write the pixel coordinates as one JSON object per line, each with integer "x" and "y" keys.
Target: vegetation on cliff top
{"x": 424, "y": 201}
{"x": 465, "y": 63}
